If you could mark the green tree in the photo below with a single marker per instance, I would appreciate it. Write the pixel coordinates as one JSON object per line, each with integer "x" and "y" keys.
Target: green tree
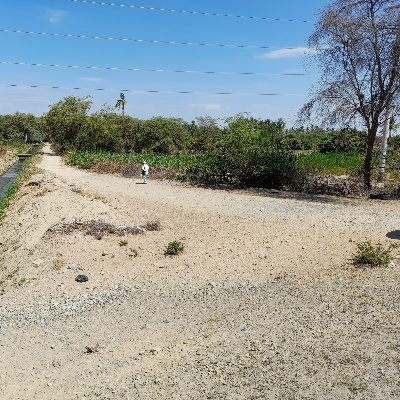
{"x": 65, "y": 120}
{"x": 252, "y": 152}
{"x": 343, "y": 141}
{"x": 204, "y": 133}
{"x": 19, "y": 126}
{"x": 98, "y": 136}
{"x": 162, "y": 135}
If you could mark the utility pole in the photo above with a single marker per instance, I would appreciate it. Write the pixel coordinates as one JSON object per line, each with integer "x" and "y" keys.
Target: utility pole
{"x": 382, "y": 160}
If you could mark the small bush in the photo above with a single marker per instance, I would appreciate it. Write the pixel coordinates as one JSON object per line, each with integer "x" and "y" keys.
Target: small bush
{"x": 370, "y": 255}
{"x": 343, "y": 142}
{"x": 152, "y": 225}
{"x": 174, "y": 248}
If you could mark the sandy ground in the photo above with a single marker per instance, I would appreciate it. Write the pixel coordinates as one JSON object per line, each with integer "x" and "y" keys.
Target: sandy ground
{"x": 262, "y": 304}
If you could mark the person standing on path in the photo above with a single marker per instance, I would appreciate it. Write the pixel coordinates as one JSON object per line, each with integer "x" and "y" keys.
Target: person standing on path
{"x": 145, "y": 171}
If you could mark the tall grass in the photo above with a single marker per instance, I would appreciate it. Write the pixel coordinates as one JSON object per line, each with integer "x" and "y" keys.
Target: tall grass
{"x": 190, "y": 167}
{"x": 15, "y": 146}
{"x": 88, "y": 159}
{"x": 331, "y": 163}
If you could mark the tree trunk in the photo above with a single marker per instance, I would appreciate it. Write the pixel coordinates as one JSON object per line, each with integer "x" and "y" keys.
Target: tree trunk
{"x": 368, "y": 156}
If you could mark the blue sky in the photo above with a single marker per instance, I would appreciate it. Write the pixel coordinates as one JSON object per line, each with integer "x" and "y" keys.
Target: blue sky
{"x": 267, "y": 66}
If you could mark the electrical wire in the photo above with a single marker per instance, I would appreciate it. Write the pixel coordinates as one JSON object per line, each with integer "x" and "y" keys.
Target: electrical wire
{"x": 74, "y": 36}
{"x": 152, "y": 91}
{"x": 132, "y": 6}
{"x": 146, "y": 70}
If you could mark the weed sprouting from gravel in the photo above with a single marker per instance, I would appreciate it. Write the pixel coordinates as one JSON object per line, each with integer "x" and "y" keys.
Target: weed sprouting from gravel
{"x": 373, "y": 255}
{"x": 58, "y": 262}
{"x": 123, "y": 242}
{"x": 174, "y": 248}
{"x": 92, "y": 349}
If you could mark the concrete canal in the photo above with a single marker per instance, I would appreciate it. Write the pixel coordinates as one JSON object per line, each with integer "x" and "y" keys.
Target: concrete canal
{"x": 9, "y": 177}
{"x": 13, "y": 173}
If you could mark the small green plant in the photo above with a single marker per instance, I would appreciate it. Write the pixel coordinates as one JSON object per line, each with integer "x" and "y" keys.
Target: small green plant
{"x": 123, "y": 242}
{"x": 174, "y": 248}
{"x": 58, "y": 262}
{"x": 370, "y": 255}
{"x": 354, "y": 388}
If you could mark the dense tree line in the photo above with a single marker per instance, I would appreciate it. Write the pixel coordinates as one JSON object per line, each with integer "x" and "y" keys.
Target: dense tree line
{"x": 244, "y": 150}
{"x": 21, "y": 127}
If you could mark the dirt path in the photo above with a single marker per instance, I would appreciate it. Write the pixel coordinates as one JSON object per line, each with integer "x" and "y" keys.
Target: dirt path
{"x": 261, "y": 304}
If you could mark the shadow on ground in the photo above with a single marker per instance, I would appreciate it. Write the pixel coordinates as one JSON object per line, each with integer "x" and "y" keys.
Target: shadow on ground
{"x": 282, "y": 194}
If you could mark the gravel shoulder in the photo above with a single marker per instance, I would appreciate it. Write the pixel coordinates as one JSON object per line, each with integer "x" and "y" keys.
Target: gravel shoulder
{"x": 262, "y": 304}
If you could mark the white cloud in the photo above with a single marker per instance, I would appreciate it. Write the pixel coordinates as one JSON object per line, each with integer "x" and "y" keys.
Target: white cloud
{"x": 287, "y": 53}
{"x": 206, "y": 106}
{"x": 55, "y": 16}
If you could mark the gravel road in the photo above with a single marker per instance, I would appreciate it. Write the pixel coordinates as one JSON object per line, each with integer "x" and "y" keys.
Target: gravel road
{"x": 262, "y": 304}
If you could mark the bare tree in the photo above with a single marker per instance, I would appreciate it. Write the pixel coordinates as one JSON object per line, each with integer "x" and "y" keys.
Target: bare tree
{"x": 357, "y": 51}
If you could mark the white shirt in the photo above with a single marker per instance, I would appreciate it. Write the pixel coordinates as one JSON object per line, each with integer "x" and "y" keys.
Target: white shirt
{"x": 145, "y": 168}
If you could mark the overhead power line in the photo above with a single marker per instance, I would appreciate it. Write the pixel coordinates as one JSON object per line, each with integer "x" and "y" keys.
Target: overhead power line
{"x": 171, "y": 10}
{"x": 74, "y": 36}
{"x": 145, "y": 69}
{"x": 139, "y": 91}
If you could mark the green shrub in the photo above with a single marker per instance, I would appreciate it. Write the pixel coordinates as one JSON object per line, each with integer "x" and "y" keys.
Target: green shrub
{"x": 305, "y": 139}
{"x": 204, "y": 133}
{"x": 251, "y": 152}
{"x": 20, "y": 127}
{"x": 98, "y": 135}
{"x": 174, "y": 248}
{"x": 370, "y": 255}
{"x": 64, "y": 121}
{"x": 343, "y": 141}
{"x": 394, "y": 143}
{"x": 162, "y": 136}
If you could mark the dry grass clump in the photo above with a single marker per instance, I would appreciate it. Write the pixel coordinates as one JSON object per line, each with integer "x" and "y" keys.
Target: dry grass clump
{"x": 59, "y": 262}
{"x": 92, "y": 349}
{"x": 98, "y": 229}
{"x": 152, "y": 226}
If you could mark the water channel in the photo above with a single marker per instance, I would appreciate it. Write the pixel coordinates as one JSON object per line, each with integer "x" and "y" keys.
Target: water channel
{"x": 12, "y": 174}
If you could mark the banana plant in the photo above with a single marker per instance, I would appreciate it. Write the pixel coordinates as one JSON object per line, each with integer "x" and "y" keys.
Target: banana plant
{"x": 121, "y": 103}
